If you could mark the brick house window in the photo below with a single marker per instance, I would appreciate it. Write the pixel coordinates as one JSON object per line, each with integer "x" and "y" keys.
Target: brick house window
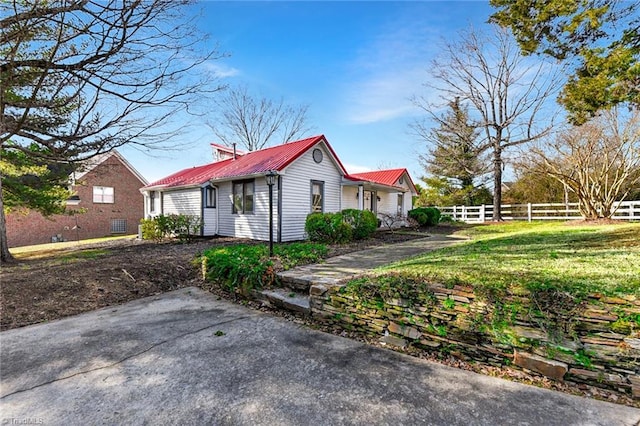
{"x": 243, "y": 196}
{"x": 118, "y": 226}
{"x": 103, "y": 194}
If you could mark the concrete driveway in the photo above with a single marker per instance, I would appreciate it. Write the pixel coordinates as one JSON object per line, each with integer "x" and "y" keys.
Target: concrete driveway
{"x": 186, "y": 358}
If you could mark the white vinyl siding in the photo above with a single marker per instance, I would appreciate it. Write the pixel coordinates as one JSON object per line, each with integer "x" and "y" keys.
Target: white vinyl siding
{"x": 388, "y": 202}
{"x": 210, "y": 222}
{"x": 349, "y": 197}
{"x": 186, "y": 201}
{"x": 210, "y": 214}
{"x": 296, "y": 199}
{"x": 254, "y": 225}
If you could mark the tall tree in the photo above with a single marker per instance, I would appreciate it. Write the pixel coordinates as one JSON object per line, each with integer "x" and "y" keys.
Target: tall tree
{"x": 257, "y": 122}
{"x": 505, "y": 93}
{"x": 453, "y": 148}
{"x": 598, "y": 161}
{"x": 599, "y": 38}
{"x": 79, "y": 78}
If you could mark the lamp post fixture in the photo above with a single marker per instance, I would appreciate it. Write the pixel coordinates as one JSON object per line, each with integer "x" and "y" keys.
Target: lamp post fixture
{"x": 270, "y": 177}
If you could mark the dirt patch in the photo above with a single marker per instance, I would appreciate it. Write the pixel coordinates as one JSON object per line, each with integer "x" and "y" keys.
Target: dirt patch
{"x": 44, "y": 286}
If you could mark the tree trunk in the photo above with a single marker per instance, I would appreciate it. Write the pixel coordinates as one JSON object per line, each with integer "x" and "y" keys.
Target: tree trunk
{"x": 5, "y": 256}
{"x": 497, "y": 182}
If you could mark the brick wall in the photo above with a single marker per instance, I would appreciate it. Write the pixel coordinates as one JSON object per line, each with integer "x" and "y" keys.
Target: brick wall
{"x": 27, "y": 228}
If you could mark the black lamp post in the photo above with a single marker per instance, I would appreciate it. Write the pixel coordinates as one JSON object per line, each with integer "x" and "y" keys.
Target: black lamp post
{"x": 271, "y": 176}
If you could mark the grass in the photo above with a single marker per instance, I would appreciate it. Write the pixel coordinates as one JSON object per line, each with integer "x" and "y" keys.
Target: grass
{"x": 51, "y": 249}
{"x": 540, "y": 255}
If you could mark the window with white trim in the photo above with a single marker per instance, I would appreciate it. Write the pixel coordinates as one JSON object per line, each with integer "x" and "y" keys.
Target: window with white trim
{"x": 401, "y": 204}
{"x": 243, "y": 196}
{"x": 103, "y": 194}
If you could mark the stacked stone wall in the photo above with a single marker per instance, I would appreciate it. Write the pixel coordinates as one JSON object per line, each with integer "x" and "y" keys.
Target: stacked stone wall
{"x": 595, "y": 340}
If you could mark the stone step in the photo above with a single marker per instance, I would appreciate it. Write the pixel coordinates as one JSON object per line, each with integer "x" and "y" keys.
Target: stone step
{"x": 286, "y": 299}
{"x": 296, "y": 280}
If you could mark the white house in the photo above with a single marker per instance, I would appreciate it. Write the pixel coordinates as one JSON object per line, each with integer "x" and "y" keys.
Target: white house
{"x": 231, "y": 194}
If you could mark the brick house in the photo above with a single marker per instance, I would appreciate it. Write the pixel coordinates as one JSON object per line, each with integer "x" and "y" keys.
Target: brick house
{"x": 106, "y": 201}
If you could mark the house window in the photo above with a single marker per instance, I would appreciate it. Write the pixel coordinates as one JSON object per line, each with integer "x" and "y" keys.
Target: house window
{"x": 118, "y": 226}
{"x": 103, "y": 194}
{"x": 210, "y": 197}
{"x": 152, "y": 201}
{"x": 317, "y": 196}
{"x": 243, "y": 196}
{"x": 401, "y": 204}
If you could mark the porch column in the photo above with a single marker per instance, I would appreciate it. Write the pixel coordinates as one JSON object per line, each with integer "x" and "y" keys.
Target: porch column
{"x": 360, "y": 197}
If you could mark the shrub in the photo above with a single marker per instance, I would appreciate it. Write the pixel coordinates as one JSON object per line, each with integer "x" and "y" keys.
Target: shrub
{"x": 363, "y": 222}
{"x": 425, "y": 216}
{"x": 246, "y": 266}
{"x": 150, "y": 230}
{"x": 327, "y": 228}
{"x": 249, "y": 266}
{"x": 181, "y": 226}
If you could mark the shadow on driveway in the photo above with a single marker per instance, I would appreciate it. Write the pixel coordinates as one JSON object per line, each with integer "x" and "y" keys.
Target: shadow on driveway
{"x": 185, "y": 357}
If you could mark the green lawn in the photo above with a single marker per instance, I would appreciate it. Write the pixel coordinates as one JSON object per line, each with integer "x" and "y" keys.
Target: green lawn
{"x": 538, "y": 255}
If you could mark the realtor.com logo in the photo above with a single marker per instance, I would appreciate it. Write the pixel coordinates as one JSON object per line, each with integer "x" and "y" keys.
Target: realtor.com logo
{"x": 23, "y": 421}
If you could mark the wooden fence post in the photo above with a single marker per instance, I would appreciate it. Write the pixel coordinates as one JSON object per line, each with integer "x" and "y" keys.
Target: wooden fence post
{"x": 482, "y": 219}
{"x": 529, "y": 211}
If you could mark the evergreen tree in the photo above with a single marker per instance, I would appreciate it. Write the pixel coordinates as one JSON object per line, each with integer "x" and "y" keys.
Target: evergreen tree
{"x": 454, "y": 156}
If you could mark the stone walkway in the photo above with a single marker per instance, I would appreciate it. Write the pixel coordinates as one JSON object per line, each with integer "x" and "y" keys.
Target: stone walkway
{"x": 339, "y": 268}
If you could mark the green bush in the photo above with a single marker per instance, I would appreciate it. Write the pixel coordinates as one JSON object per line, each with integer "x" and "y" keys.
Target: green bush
{"x": 328, "y": 228}
{"x": 150, "y": 230}
{"x": 363, "y": 222}
{"x": 425, "y": 216}
{"x": 181, "y": 226}
{"x": 249, "y": 266}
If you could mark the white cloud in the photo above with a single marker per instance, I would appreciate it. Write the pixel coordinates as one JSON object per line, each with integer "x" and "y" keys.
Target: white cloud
{"x": 389, "y": 71}
{"x": 220, "y": 71}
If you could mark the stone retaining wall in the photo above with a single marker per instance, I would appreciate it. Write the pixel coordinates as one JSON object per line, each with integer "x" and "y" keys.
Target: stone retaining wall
{"x": 594, "y": 341}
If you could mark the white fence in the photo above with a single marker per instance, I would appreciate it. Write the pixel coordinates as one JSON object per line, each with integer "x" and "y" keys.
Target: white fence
{"x": 627, "y": 210}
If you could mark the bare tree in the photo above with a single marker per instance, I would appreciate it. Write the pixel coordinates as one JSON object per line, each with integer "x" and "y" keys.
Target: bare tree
{"x": 598, "y": 161}
{"x": 505, "y": 93}
{"x": 80, "y": 78}
{"x": 256, "y": 122}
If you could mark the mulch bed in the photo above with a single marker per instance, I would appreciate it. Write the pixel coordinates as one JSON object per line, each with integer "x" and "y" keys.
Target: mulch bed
{"x": 89, "y": 277}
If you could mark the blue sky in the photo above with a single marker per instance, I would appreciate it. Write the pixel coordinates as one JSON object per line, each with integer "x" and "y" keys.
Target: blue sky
{"x": 356, "y": 64}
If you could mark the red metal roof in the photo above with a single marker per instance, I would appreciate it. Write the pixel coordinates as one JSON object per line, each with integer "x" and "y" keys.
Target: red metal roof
{"x": 384, "y": 177}
{"x": 249, "y": 164}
